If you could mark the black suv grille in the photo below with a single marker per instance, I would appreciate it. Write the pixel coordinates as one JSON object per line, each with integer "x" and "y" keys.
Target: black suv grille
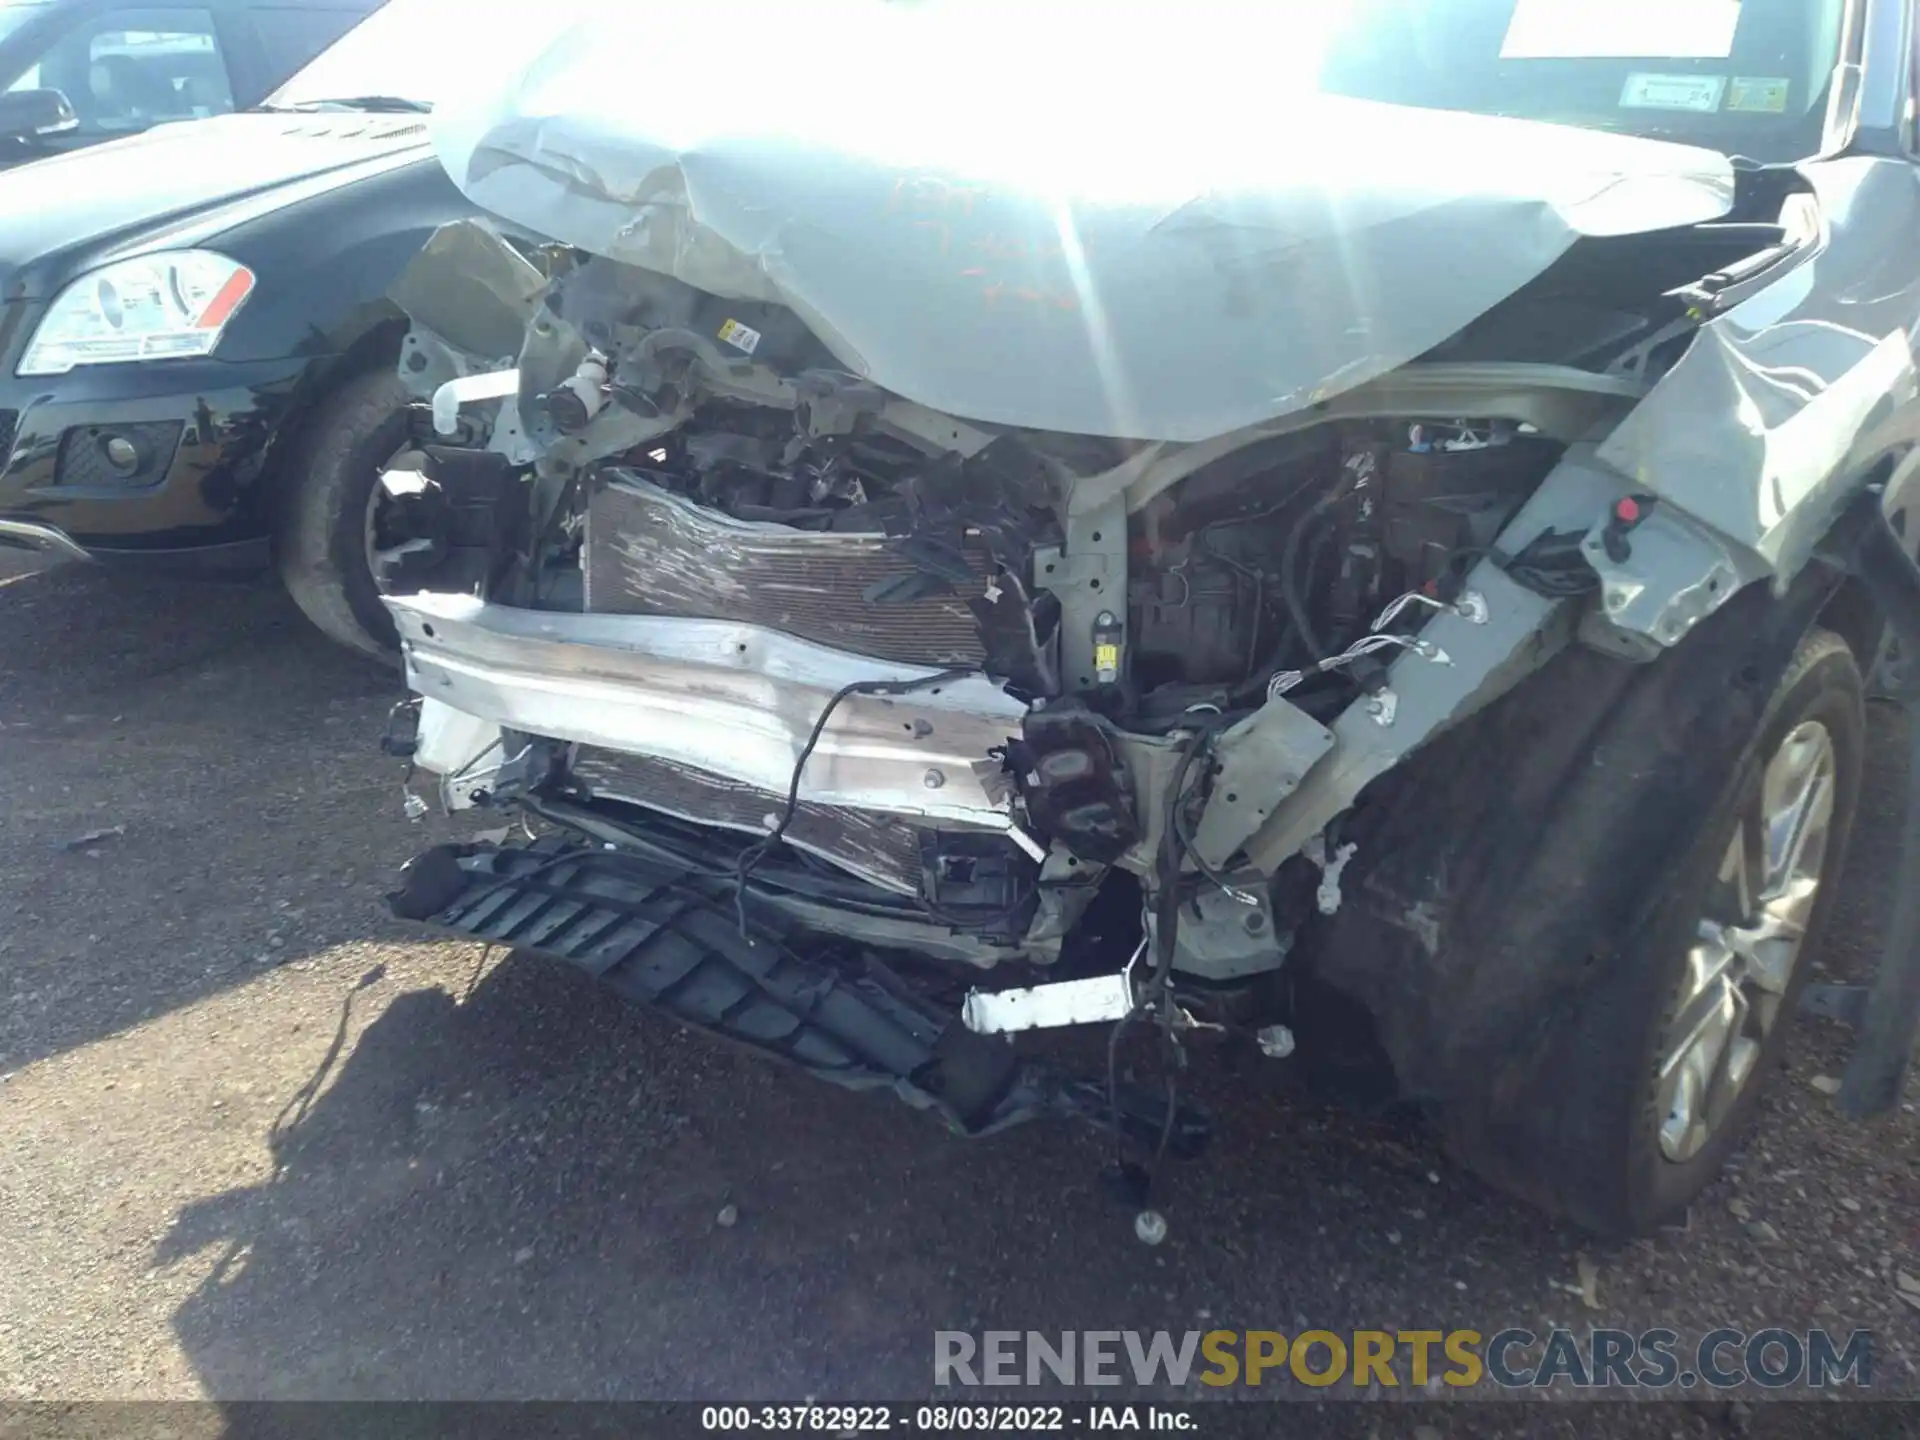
{"x": 9, "y": 422}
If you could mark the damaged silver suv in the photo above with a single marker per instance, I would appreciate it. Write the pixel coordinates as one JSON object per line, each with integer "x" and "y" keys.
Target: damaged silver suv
{"x": 986, "y": 520}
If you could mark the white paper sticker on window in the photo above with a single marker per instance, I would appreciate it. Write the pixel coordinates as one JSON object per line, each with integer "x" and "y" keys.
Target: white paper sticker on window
{"x": 739, "y": 336}
{"x": 1673, "y": 92}
{"x": 1621, "y": 29}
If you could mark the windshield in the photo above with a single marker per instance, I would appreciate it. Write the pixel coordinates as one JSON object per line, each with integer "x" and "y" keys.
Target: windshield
{"x": 15, "y": 13}
{"x": 408, "y": 50}
{"x": 1745, "y": 77}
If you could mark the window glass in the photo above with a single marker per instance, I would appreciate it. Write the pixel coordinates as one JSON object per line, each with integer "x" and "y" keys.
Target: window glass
{"x": 14, "y": 14}
{"x": 1749, "y": 77}
{"x": 289, "y": 37}
{"x": 413, "y": 50}
{"x": 129, "y": 69}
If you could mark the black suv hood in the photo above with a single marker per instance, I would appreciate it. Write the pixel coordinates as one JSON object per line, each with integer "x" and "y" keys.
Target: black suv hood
{"x": 179, "y": 185}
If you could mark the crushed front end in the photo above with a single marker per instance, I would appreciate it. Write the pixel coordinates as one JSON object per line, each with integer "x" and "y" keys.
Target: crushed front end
{"x": 914, "y": 584}
{"x": 866, "y": 733}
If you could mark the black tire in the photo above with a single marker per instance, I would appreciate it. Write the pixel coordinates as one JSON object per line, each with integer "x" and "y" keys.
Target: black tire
{"x": 1587, "y": 1099}
{"x": 330, "y": 471}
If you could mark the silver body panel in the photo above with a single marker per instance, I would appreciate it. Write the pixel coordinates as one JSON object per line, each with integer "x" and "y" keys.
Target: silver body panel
{"x": 1196, "y": 292}
{"x": 1175, "y": 269}
{"x": 734, "y": 700}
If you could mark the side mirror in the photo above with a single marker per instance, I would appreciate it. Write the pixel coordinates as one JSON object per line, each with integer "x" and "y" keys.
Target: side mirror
{"x": 28, "y": 114}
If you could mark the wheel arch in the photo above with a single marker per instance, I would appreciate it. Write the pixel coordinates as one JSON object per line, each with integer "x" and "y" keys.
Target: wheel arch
{"x": 1852, "y": 615}
{"x": 372, "y": 346}
{"x": 1504, "y": 863}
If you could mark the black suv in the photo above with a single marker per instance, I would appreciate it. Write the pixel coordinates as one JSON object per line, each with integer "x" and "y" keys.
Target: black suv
{"x": 197, "y": 351}
{"x": 76, "y": 72}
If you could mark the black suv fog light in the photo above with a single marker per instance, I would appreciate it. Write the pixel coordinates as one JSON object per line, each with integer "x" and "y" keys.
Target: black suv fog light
{"x": 118, "y": 456}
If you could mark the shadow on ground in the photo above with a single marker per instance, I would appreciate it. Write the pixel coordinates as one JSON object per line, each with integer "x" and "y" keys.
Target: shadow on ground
{"x": 526, "y": 1191}
{"x": 500, "y": 1182}
{"x": 529, "y": 1191}
{"x": 186, "y": 769}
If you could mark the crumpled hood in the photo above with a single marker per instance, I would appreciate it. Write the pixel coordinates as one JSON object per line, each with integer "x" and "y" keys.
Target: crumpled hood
{"x": 1118, "y": 220}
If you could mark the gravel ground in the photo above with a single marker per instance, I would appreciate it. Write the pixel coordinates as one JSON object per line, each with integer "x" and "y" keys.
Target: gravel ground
{"x": 256, "y": 1141}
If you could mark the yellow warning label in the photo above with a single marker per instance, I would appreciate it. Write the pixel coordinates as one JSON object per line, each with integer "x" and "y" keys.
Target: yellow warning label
{"x": 741, "y": 337}
{"x": 1765, "y": 94}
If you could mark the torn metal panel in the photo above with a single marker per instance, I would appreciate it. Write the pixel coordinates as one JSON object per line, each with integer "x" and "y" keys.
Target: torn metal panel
{"x": 1520, "y": 631}
{"x": 921, "y": 937}
{"x": 1560, "y": 402}
{"x": 1262, "y": 760}
{"x": 734, "y": 700}
{"x": 1670, "y": 573}
{"x": 649, "y": 552}
{"x": 1487, "y": 659}
{"x": 1222, "y": 937}
{"x": 464, "y": 751}
{"x": 1761, "y": 429}
{"x": 880, "y": 848}
{"x": 472, "y": 289}
{"x": 1215, "y": 263}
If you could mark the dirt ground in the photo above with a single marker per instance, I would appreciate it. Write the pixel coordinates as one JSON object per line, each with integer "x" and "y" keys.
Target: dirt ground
{"x": 256, "y": 1141}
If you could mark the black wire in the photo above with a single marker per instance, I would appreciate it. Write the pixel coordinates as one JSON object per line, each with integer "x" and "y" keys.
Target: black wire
{"x": 538, "y": 549}
{"x": 1113, "y": 1104}
{"x": 1165, "y": 930}
{"x": 831, "y": 889}
{"x": 753, "y": 854}
{"x": 1551, "y": 565}
{"x": 1167, "y": 863}
{"x": 1166, "y": 1130}
{"x": 1290, "y": 564}
{"x": 1113, "y": 1079}
{"x": 1178, "y": 820}
{"x": 1298, "y": 631}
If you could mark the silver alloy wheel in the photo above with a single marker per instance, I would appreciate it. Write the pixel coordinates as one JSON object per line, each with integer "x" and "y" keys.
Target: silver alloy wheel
{"x": 1748, "y": 942}
{"x": 377, "y": 502}
{"x": 370, "y": 529}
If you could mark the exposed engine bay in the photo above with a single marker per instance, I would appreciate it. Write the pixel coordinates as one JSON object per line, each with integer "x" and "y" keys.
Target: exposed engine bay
{"x": 968, "y": 697}
{"x": 915, "y": 589}
{"x": 964, "y": 671}
{"x": 1284, "y": 577}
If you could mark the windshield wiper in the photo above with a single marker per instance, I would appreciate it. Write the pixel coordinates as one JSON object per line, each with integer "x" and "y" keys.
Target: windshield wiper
{"x": 377, "y": 104}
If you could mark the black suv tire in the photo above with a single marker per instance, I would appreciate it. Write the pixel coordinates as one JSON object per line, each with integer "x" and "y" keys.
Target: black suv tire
{"x": 331, "y": 469}
{"x": 1595, "y": 1154}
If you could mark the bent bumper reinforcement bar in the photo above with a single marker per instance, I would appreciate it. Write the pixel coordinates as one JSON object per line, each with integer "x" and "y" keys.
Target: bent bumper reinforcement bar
{"x": 731, "y": 699}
